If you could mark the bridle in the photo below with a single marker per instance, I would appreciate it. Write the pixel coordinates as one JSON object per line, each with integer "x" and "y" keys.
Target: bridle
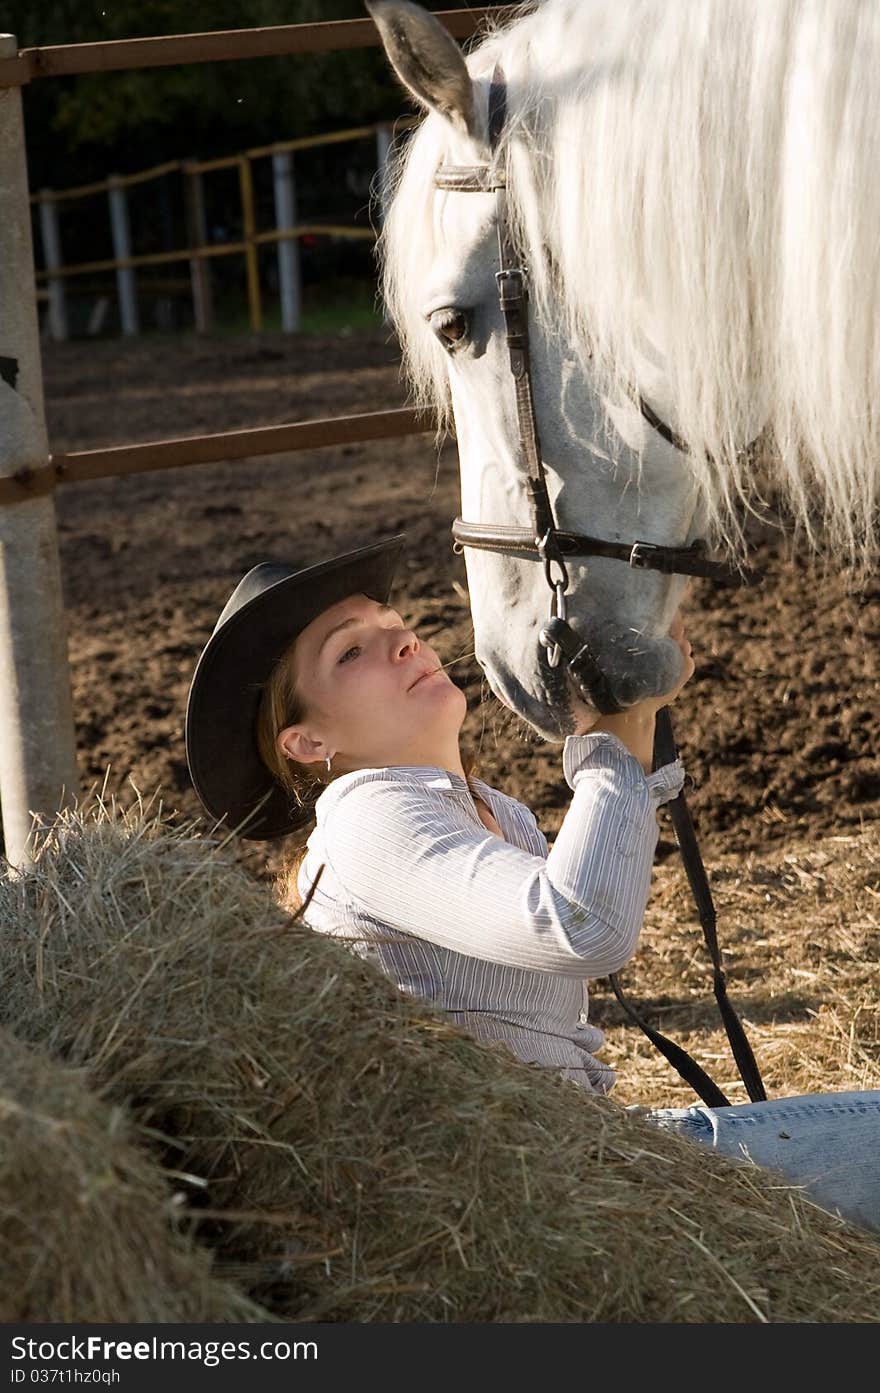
{"x": 547, "y": 542}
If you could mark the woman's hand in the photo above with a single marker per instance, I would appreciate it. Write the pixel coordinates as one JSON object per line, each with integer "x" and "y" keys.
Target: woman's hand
{"x": 635, "y": 725}
{"x": 677, "y": 633}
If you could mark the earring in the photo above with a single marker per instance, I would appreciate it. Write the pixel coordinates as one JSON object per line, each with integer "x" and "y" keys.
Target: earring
{"x": 327, "y": 762}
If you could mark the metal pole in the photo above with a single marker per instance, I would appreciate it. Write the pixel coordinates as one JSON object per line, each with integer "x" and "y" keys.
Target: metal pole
{"x": 125, "y": 281}
{"x": 289, "y": 273}
{"x": 197, "y": 236}
{"x": 37, "y": 747}
{"x": 54, "y": 260}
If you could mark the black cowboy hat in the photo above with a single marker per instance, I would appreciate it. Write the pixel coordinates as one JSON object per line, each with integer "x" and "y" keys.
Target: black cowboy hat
{"x": 268, "y": 608}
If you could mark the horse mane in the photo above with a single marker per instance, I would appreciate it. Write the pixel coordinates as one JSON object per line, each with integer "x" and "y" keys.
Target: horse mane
{"x": 694, "y": 186}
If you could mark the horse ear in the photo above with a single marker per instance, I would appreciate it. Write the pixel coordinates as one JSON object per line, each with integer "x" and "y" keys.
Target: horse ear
{"x": 427, "y": 60}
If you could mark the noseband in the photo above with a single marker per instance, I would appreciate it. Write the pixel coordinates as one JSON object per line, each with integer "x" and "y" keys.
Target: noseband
{"x": 545, "y": 540}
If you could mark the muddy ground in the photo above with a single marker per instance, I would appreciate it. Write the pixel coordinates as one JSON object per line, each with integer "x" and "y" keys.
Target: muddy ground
{"x": 779, "y": 732}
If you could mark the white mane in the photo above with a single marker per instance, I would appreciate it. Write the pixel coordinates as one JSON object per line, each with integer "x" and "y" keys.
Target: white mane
{"x": 699, "y": 181}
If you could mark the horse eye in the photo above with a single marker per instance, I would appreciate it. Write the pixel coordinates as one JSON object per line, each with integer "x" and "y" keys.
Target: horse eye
{"x": 451, "y": 326}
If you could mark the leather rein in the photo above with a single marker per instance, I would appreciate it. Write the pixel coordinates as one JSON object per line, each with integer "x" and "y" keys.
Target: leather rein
{"x": 547, "y": 542}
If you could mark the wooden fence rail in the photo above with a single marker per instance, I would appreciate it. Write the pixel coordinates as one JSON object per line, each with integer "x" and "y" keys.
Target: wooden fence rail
{"x": 212, "y": 250}
{"x": 122, "y": 55}
{"x": 114, "y": 461}
{"x": 142, "y": 176}
{"x": 285, "y": 235}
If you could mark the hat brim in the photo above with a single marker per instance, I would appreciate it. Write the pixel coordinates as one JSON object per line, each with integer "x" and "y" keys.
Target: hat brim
{"x": 229, "y": 777}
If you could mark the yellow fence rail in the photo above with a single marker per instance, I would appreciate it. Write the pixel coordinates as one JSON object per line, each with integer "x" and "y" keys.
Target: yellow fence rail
{"x": 56, "y": 274}
{"x": 142, "y": 176}
{"x": 283, "y": 234}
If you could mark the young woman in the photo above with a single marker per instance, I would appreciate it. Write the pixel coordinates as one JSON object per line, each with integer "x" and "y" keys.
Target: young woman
{"x": 313, "y": 695}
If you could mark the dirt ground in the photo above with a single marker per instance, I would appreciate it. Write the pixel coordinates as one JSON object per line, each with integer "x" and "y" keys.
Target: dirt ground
{"x": 779, "y": 732}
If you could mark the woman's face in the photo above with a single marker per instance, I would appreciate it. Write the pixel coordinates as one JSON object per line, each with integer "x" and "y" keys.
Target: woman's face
{"x": 374, "y": 694}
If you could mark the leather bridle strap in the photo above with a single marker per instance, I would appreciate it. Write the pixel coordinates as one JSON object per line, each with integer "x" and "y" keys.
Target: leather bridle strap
{"x": 512, "y": 299}
{"x": 510, "y": 280}
{"x": 659, "y": 425}
{"x": 683, "y": 1063}
{"x": 544, "y": 537}
{"x": 691, "y": 560}
{"x": 665, "y": 753}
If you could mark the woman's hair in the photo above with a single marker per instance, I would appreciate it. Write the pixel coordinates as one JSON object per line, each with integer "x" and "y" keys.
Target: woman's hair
{"x": 281, "y": 705}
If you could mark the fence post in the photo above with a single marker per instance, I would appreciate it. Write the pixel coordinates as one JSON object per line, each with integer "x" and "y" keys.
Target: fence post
{"x": 125, "y": 281}
{"x": 249, "y": 221}
{"x": 51, "y": 239}
{"x": 37, "y": 748}
{"x": 289, "y": 273}
{"x": 197, "y": 236}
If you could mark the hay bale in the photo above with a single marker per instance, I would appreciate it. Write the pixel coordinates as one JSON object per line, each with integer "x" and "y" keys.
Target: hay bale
{"x": 87, "y": 1226}
{"x": 372, "y": 1162}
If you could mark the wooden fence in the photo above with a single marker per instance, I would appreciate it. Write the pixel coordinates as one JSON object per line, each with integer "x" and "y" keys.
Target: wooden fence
{"x": 37, "y": 749}
{"x": 199, "y": 253}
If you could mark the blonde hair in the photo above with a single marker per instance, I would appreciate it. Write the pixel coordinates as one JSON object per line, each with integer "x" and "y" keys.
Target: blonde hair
{"x": 282, "y": 705}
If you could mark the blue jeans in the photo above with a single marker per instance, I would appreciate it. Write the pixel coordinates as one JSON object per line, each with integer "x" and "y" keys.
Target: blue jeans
{"x": 827, "y": 1144}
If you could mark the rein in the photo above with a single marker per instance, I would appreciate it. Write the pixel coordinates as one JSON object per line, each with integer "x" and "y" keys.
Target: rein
{"x": 547, "y": 542}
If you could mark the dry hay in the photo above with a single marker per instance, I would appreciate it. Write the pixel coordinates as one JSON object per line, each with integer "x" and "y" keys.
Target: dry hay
{"x": 86, "y": 1218}
{"x": 361, "y": 1159}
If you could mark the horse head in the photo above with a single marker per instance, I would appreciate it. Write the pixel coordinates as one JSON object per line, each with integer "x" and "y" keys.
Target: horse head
{"x": 665, "y": 285}
{"x": 607, "y": 471}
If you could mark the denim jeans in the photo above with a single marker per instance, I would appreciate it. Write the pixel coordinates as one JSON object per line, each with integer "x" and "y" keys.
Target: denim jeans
{"x": 828, "y": 1144}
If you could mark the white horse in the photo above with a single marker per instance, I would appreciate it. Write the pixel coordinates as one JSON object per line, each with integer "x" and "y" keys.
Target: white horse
{"x": 694, "y": 188}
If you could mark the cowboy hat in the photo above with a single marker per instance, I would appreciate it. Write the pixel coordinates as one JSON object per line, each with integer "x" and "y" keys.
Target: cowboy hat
{"x": 266, "y": 611}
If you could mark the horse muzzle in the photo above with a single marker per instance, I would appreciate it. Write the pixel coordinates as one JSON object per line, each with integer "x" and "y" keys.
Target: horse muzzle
{"x": 583, "y": 666}
{"x": 609, "y": 676}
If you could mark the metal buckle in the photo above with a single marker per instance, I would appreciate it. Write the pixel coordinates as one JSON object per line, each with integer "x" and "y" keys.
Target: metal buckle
{"x": 512, "y": 285}
{"x": 541, "y": 545}
{"x": 640, "y": 555}
{"x": 469, "y": 178}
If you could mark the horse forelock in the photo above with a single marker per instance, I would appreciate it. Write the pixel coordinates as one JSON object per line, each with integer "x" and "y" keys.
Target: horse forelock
{"x": 694, "y": 186}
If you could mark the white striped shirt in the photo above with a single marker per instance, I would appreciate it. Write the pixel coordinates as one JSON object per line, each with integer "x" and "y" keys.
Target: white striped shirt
{"x": 500, "y": 935}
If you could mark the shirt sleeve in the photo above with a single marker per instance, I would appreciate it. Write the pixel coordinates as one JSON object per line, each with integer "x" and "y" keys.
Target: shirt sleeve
{"x": 577, "y": 911}
{"x": 664, "y": 784}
